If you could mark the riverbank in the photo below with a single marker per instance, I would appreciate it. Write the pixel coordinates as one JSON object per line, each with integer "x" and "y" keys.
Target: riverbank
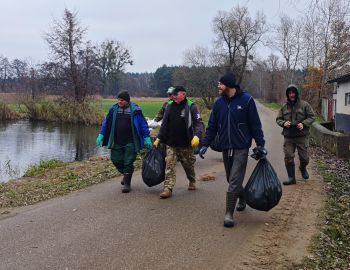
{"x": 67, "y": 110}
{"x": 58, "y": 180}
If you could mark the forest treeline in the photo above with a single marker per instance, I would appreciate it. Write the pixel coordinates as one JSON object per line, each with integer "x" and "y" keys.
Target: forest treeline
{"x": 307, "y": 50}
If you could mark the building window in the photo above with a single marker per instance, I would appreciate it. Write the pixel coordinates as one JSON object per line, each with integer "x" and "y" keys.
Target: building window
{"x": 347, "y": 99}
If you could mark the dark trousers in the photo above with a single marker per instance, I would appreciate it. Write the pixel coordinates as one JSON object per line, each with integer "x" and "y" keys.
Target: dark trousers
{"x": 298, "y": 143}
{"x": 123, "y": 157}
{"x": 235, "y": 162}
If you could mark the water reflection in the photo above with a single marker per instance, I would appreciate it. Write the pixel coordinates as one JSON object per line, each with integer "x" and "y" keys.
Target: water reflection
{"x": 25, "y": 143}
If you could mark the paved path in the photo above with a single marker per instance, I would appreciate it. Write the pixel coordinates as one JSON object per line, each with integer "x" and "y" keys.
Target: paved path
{"x": 102, "y": 228}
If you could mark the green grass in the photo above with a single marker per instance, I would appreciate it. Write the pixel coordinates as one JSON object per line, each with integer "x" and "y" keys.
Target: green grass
{"x": 272, "y": 105}
{"x": 331, "y": 247}
{"x": 149, "y": 108}
{"x": 43, "y": 165}
{"x": 51, "y": 179}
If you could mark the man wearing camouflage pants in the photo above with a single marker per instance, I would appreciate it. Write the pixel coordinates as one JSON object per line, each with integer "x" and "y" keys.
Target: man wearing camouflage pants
{"x": 296, "y": 117}
{"x": 181, "y": 129}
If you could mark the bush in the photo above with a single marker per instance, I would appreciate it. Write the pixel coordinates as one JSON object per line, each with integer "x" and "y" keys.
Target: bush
{"x": 65, "y": 110}
{"x": 6, "y": 113}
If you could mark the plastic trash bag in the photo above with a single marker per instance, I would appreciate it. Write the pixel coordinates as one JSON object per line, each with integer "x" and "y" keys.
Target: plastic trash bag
{"x": 153, "y": 124}
{"x": 215, "y": 144}
{"x": 153, "y": 167}
{"x": 263, "y": 190}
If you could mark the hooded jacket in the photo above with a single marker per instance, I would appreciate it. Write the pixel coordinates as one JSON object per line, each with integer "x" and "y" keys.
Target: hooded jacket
{"x": 296, "y": 112}
{"x": 139, "y": 126}
{"x": 236, "y": 121}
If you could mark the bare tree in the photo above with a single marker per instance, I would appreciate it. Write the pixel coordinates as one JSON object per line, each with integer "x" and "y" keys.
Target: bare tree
{"x": 113, "y": 57}
{"x": 339, "y": 50}
{"x": 288, "y": 43}
{"x": 237, "y": 34}
{"x": 5, "y": 73}
{"x": 65, "y": 41}
{"x": 275, "y": 91}
{"x": 89, "y": 72}
{"x": 201, "y": 75}
{"x": 328, "y": 25}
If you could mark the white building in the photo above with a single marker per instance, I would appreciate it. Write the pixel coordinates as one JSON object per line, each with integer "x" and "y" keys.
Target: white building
{"x": 342, "y": 103}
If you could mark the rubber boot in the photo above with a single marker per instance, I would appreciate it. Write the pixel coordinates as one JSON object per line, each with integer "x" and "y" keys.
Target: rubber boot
{"x": 291, "y": 175}
{"x": 127, "y": 181}
{"x": 231, "y": 200}
{"x": 303, "y": 171}
{"x": 242, "y": 202}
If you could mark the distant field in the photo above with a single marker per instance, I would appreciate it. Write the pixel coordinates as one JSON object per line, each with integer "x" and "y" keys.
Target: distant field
{"x": 149, "y": 106}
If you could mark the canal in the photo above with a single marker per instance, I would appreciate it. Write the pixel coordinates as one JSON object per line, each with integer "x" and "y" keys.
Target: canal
{"x": 25, "y": 143}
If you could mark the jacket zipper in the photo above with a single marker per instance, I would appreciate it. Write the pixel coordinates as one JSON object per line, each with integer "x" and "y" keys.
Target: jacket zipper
{"x": 228, "y": 124}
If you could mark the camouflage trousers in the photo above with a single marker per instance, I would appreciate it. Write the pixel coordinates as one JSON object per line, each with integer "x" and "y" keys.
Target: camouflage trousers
{"x": 299, "y": 143}
{"x": 186, "y": 157}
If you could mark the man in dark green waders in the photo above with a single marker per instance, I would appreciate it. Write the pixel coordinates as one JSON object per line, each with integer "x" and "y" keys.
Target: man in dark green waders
{"x": 125, "y": 132}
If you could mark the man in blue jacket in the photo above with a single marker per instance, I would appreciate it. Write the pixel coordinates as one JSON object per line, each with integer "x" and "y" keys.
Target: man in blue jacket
{"x": 125, "y": 132}
{"x": 236, "y": 121}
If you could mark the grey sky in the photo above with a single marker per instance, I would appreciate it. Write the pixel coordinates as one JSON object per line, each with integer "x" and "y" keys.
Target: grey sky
{"x": 157, "y": 31}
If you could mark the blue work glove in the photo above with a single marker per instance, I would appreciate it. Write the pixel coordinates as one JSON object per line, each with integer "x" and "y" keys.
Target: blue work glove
{"x": 202, "y": 151}
{"x": 148, "y": 142}
{"x": 99, "y": 140}
{"x": 259, "y": 152}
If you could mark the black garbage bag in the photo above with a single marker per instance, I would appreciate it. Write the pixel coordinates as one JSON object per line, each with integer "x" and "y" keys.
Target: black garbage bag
{"x": 153, "y": 167}
{"x": 215, "y": 144}
{"x": 263, "y": 190}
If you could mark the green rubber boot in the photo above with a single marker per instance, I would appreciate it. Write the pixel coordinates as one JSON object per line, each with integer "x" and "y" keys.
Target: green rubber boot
{"x": 231, "y": 200}
{"x": 291, "y": 175}
{"x": 127, "y": 181}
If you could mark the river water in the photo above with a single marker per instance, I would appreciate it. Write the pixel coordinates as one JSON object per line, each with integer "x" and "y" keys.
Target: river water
{"x": 24, "y": 143}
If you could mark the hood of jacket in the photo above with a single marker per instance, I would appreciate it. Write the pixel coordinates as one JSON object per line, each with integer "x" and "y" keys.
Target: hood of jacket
{"x": 293, "y": 86}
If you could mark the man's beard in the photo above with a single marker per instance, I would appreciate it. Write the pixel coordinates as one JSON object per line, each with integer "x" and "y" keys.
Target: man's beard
{"x": 224, "y": 92}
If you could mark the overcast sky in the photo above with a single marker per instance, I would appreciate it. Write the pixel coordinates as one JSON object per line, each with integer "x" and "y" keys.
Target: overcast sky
{"x": 156, "y": 31}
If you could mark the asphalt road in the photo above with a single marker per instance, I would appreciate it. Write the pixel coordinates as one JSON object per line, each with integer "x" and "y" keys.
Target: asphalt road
{"x": 101, "y": 228}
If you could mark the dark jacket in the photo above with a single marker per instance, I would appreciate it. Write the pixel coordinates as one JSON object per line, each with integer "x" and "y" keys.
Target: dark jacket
{"x": 193, "y": 120}
{"x": 298, "y": 112}
{"x": 236, "y": 121}
{"x": 139, "y": 126}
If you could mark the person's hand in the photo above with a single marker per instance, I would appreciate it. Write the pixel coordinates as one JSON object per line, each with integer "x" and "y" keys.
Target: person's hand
{"x": 300, "y": 126}
{"x": 195, "y": 142}
{"x": 99, "y": 140}
{"x": 260, "y": 152}
{"x": 148, "y": 142}
{"x": 287, "y": 124}
{"x": 156, "y": 142}
{"x": 202, "y": 151}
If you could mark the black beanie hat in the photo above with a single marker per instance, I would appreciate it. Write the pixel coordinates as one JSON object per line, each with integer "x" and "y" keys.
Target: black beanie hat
{"x": 229, "y": 80}
{"x": 124, "y": 95}
{"x": 179, "y": 88}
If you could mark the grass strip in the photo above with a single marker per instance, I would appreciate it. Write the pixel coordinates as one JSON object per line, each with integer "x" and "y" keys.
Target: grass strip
{"x": 51, "y": 179}
{"x": 330, "y": 248}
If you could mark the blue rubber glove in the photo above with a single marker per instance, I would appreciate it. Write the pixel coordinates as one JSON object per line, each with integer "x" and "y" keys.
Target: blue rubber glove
{"x": 202, "y": 151}
{"x": 99, "y": 140}
{"x": 260, "y": 152}
{"x": 148, "y": 142}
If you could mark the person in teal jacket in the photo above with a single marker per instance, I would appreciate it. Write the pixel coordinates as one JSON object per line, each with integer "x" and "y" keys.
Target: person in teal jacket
{"x": 125, "y": 131}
